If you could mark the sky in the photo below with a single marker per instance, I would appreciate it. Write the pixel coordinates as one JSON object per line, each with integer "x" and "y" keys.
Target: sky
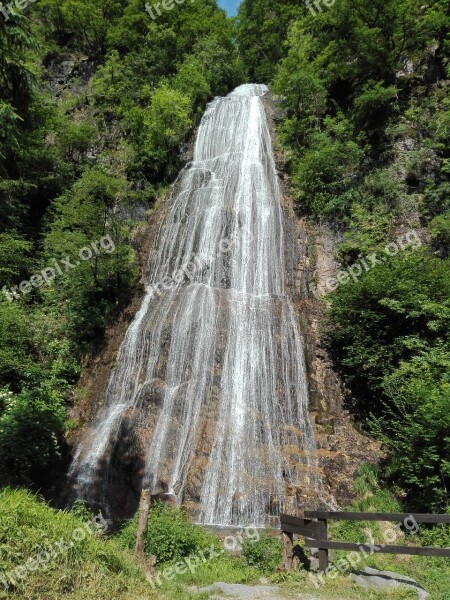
{"x": 230, "y": 6}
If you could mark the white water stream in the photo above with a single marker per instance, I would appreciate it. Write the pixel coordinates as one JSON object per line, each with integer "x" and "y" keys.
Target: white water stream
{"x": 223, "y": 345}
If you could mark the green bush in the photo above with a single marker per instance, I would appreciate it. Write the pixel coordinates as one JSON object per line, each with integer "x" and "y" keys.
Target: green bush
{"x": 440, "y": 234}
{"x": 389, "y": 314}
{"x": 435, "y": 535}
{"x": 16, "y": 344}
{"x": 390, "y": 335}
{"x": 367, "y": 230}
{"x": 374, "y": 105}
{"x": 15, "y": 259}
{"x": 327, "y": 169}
{"x": 264, "y": 554}
{"x": 416, "y": 426}
{"x": 169, "y": 536}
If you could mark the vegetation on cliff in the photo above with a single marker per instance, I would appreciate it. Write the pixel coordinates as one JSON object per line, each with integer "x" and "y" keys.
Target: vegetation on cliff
{"x": 97, "y": 104}
{"x": 96, "y": 101}
{"x": 364, "y": 87}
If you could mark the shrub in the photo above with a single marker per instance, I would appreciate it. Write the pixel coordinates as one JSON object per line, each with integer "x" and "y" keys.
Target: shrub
{"x": 435, "y": 535}
{"x": 416, "y": 428}
{"x": 440, "y": 234}
{"x": 31, "y": 426}
{"x": 264, "y": 554}
{"x": 374, "y": 104}
{"x": 169, "y": 536}
{"x": 328, "y": 169}
{"x": 16, "y": 345}
{"x": 390, "y": 337}
{"x": 390, "y": 314}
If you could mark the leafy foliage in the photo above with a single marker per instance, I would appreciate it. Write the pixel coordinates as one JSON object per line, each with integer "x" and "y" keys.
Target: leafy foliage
{"x": 416, "y": 427}
{"x": 348, "y": 62}
{"x": 261, "y": 29}
{"x": 263, "y": 554}
{"x": 390, "y": 334}
{"x": 30, "y": 426}
{"x": 363, "y": 91}
{"x": 392, "y": 312}
{"x": 169, "y": 536}
{"x": 96, "y": 103}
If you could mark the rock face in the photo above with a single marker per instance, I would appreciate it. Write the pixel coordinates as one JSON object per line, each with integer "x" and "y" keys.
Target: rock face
{"x": 386, "y": 580}
{"x": 210, "y": 387}
{"x": 309, "y": 256}
{"x": 309, "y": 259}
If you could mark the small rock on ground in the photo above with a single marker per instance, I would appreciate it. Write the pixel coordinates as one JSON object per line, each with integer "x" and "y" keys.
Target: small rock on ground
{"x": 249, "y": 592}
{"x": 384, "y": 580}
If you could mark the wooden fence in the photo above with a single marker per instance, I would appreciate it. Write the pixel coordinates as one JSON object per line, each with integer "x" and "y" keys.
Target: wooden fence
{"x": 314, "y": 528}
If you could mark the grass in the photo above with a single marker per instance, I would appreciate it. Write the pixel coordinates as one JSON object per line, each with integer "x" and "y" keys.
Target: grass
{"x": 105, "y": 568}
{"x": 227, "y": 569}
{"x": 94, "y": 567}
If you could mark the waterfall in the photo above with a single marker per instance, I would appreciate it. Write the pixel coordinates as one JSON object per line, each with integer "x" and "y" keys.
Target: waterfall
{"x": 210, "y": 378}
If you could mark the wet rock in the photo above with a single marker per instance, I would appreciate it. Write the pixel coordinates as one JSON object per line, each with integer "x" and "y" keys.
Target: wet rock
{"x": 309, "y": 256}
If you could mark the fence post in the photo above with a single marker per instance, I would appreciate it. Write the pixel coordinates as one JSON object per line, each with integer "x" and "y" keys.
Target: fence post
{"x": 323, "y": 552}
{"x": 288, "y": 551}
{"x": 144, "y": 509}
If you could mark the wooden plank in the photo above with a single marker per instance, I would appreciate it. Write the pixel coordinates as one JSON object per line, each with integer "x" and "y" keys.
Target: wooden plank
{"x": 310, "y": 531}
{"x": 356, "y": 516}
{"x": 411, "y": 550}
{"x": 300, "y": 526}
{"x": 294, "y": 520}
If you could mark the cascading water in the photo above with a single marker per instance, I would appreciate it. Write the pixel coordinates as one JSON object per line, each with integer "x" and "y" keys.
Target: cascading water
{"x": 210, "y": 375}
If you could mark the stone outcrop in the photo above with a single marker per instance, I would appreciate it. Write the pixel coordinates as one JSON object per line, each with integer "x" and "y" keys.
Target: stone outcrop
{"x": 387, "y": 580}
{"x": 310, "y": 261}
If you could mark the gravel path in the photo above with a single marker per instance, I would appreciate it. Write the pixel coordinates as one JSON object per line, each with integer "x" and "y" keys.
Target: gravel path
{"x": 247, "y": 592}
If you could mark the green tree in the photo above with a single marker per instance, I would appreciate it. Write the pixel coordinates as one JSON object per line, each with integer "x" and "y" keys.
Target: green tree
{"x": 261, "y": 31}
{"x": 416, "y": 428}
{"x": 16, "y": 77}
{"x": 80, "y": 23}
{"x": 31, "y": 425}
{"x": 161, "y": 129}
{"x": 102, "y": 275}
{"x": 391, "y": 313}
{"x": 16, "y": 344}
{"x": 14, "y": 257}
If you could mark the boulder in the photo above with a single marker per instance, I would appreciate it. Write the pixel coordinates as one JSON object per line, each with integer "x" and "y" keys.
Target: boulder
{"x": 386, "y": 580}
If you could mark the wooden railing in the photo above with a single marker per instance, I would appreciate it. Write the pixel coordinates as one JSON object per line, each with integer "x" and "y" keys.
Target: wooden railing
{"x": 314, "y": 528}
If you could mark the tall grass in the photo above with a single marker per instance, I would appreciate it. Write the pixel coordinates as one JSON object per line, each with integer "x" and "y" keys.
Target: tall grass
{"x": 92, "y": 567}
